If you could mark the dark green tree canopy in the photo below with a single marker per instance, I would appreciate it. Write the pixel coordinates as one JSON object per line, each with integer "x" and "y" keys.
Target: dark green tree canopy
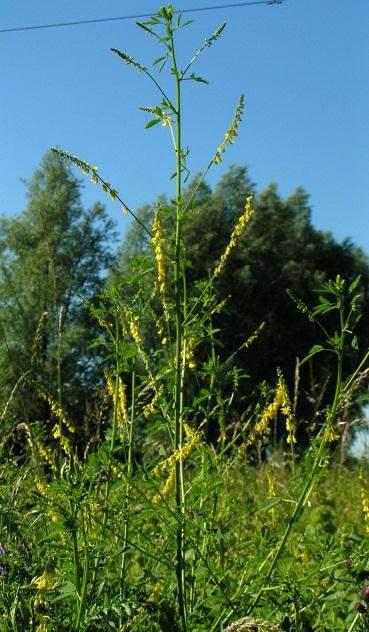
{"x": 280, "y": 250}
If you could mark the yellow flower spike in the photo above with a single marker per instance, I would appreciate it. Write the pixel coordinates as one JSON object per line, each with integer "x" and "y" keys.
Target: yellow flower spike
{"x": 158, "y": 245}
{"x": 281, "y": 402}
{"x": 56, "y": 409}
{"x": 56, "y": 431}
{"x": 242, "y": 222}
{"x": 194, "y": 438}
{"x": 158, "y": 591}
{"x": 364, "y": 499}
{"x": 122, "y": 400}
{"x": 46, "y": 454}
{"x": 232, "y": 132}
{"x": 53, "y": 515}
{"x": 190, "y": 357}
{"x": 330, "y": 434}
{"x": 167, "y": 488}
{"x": 40, "y": 485}
{"x": 286, "y": 408}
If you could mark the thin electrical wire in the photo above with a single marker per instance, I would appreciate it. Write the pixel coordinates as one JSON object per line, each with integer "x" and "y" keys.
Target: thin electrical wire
{"x": 232, "y": 5}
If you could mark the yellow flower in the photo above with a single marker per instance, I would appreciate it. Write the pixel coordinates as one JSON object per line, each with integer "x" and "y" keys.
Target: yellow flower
{"x": 242, "y": 222}
{"x": 158, "y": 591}
{"x": 40, "y": 485}
{"x": 232, "y": 132}
{"x": 168, "y": 464}
{"x": 158, "y": 244}
{"x": 330, "y": 433}
{"x": 167, "y": 488}
{"x": 286, "y": 408}
{"x": 46, "y": 454}
{"x": 364, "y": 499}
{"x": 121, "y": 404}
{"x": 281, "y": 402}
{"x": 56, "y": 409}
{"x": 46, "y": 581}
{"x": 190, "y": 356}
{"x": 151, "y": 406}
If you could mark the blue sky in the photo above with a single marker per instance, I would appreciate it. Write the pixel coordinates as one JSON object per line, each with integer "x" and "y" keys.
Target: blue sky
{"x": 302, "y": 66}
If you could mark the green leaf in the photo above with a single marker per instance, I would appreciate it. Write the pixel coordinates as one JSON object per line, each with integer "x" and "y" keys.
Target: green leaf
{"x": 354, "y": 284}
{"x": 270, "y": 503}
{"x": 199, "y": 79}
{"x": 66, "y": 590}
{"x": 159, "y": 59}
{"x": 152, "y": 123}
{"x": 313, "y": 351}
{"x": 143, "y": 26}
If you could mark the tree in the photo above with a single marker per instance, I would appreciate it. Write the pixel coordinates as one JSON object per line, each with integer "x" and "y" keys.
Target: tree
{"x": 52, "y": 260}
{"x": 280, "y": 251}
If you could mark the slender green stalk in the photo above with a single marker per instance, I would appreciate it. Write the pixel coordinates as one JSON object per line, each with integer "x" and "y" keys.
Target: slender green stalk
{"x": 308, "y": 487}
{"x": 353, "y": 624}
{"x": 111, "y": 450}
{"x": 59, "y": 377}
{"x": 76, "y": 560}
{"x": 86, "y": 568}
{"x": 128, "y": 485}
{"x": 178, "y": 404}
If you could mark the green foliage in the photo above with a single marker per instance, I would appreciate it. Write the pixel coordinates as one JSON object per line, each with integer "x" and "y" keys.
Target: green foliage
{"x": 263, "y": 282}
{"x": 52, "y": 259}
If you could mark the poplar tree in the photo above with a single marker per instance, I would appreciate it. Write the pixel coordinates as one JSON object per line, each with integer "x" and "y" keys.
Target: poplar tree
{"x": 53, "y": 257}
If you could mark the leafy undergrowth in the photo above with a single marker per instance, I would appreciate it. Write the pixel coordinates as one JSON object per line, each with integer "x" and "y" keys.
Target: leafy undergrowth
{"x": 235, "y": 517}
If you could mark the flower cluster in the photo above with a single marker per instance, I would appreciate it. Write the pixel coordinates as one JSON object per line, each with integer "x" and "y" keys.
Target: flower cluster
{"x": 232, "y": 132}
{"x": 119, "y": 399}
{"x": 364, "y": 499}
{"x": 46, "y": 454}
{"x": 87, "y": 169}
{"x": 168, "y": 464}
{"x": 158, "y": 244}
{"x": 64, "y": 441}
{"x": 281, "y": 402}
{"x": 190, "y": 356}
{"x": 238, "y": 230}
{"x": 56, "y": 409}
{"x": 286, "y": 408}
{"x": 132, "y": 321}
{"x": 151, "y": 406}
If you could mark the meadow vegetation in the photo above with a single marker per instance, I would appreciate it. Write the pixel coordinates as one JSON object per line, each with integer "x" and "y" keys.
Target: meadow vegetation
{"x": 169, "y": 459}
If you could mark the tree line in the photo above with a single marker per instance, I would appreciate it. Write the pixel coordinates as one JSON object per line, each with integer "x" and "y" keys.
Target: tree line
{"x": 56, "y": 258}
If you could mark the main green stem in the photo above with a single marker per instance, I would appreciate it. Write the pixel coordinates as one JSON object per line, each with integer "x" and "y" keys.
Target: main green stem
{"x": 178, "y": 404}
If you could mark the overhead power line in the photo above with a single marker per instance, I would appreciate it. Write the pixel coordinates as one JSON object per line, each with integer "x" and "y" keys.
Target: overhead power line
{"x": 231, "y": 5}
